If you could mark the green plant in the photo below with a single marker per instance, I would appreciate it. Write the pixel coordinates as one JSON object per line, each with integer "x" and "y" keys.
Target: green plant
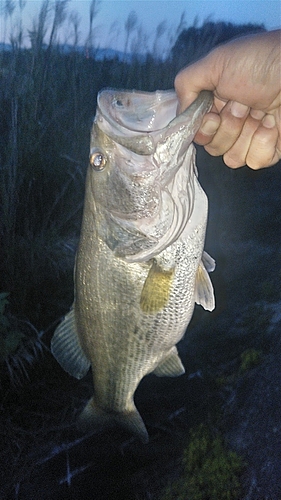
{"x": 210, "y": 470}
{"x": 249, "y": 359}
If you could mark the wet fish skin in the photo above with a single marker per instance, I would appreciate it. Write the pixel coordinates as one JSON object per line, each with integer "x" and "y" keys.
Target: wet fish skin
{"x": 140, "y": 264}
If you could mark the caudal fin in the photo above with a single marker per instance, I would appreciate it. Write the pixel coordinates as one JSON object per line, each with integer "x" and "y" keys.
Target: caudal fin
{"x": 94, "y": 416}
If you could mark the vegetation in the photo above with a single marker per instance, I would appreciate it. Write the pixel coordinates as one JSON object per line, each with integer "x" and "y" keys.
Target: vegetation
{"x": 249, "y": 359}
{"x": 20, "y": 344}
{"x": 195, "y": 41}
{"x": 211, "y": 470}
{"x": 9, "y": 340}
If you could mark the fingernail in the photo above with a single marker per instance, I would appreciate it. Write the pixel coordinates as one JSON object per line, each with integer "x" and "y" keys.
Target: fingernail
{"x": 239, "y": 110}
{"x": 268, "y": 121}
{"x": 209, "y": 127}
{"x": 257, "y": 114}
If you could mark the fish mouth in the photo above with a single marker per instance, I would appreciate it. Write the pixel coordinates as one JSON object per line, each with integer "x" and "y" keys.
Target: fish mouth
{"x": 136, "y": 111}
{"x": 139, "y": 121}
{"x": 135, "y": 119}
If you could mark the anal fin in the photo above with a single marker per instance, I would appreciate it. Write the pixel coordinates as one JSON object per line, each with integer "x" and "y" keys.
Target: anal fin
{"x": 66, "y": 348}
{"x": 171, "y": 366}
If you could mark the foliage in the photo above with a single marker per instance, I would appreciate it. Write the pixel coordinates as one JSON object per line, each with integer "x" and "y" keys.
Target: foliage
{"x": 249, "y": 359}
{"x": 19, "y": 344}
{"x": 195, "y": 41}
{"x": 9, "y": 337}
{"x": 210, "y": 469}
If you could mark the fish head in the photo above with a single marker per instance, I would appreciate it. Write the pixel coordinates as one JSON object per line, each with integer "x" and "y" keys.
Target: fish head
{"x": 122, "y": 181}
{"x": 138, "y": 147}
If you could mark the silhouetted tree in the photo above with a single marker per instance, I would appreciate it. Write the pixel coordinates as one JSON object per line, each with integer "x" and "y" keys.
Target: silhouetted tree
{"x": 195, "y": 42}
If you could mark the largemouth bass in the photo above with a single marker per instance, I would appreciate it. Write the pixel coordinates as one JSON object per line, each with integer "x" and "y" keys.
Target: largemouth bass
{"x": 140, "y": 264}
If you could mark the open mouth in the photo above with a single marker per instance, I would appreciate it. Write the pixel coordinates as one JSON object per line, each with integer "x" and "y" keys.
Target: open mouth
{"x": 137, "y": 112}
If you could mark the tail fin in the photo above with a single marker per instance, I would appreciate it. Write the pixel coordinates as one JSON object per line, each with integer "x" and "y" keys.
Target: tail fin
{"x": 95, "y": 416}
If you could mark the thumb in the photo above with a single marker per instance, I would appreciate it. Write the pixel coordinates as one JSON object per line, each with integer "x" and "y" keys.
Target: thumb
{"x": 191, "y": 80}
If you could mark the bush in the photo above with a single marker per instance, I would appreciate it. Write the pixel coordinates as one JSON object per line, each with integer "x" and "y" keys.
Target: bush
{"x": 210, "y": 470}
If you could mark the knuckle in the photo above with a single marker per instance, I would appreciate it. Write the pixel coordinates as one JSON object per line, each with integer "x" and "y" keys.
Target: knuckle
{"x": 233, "y": 161}
{"x": 262, "y": 152}
{"x": 259, "y": 159}
{"x": 213, "y": 150}
{"x": 265, "y": 138}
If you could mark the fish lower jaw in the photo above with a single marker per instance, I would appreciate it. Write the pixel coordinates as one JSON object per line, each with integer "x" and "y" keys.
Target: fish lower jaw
{"x": 95, "y": 417}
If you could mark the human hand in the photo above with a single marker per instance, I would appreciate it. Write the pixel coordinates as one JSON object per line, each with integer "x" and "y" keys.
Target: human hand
{"x": 244, "y": 124}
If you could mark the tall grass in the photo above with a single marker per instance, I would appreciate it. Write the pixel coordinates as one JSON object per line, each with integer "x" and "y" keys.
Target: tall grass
{"x": 47, "y": 104}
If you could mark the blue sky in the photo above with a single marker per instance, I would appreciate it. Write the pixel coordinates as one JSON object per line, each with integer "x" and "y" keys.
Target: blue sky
{"x": 112, "y": 14}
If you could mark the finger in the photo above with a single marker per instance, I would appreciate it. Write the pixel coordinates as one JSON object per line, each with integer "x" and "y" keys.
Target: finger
{"x": 185, "y": 97}
{"x": 191, "y": 80}
{"x": 209, "y": 127}
{"x": 263, "y": 150}
{"x": 219, "y": 104}
{"x": 236, "y": 156}
{"x": 233, "y": 117}
{"x": 210, "y": 124}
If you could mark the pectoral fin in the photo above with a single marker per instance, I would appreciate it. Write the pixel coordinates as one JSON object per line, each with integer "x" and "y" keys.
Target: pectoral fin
{"x": 171, "y": 366}
{"x": 204, "y": 292}
{"x": 67, "y": 349}
{"x": 156, "y": 289}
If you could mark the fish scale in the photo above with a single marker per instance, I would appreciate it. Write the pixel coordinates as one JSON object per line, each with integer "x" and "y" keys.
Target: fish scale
{"x": 173, "y": 319}
{"x": 140, "y": 264}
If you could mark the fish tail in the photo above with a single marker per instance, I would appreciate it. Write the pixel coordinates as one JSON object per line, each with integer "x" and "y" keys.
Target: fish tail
{"x": 94, "y": 416}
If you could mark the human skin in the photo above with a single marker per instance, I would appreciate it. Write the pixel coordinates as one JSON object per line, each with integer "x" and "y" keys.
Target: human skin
{"x": 244, "y": 124}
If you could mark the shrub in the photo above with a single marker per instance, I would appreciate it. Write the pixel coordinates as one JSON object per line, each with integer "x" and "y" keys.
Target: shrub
{"x": 249, "y": 359}
{"x": 210, "y": 470}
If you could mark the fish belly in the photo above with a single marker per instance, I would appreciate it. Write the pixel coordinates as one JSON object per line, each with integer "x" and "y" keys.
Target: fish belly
{"x": 123, "y": 336}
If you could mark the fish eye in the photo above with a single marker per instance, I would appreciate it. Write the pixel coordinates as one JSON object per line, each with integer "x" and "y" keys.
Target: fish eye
{"x": 118, "y": 103}
{"x": 97, "y": 161}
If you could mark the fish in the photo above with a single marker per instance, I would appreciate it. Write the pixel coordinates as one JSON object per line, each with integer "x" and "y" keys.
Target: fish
{"x": 140, "y": 263}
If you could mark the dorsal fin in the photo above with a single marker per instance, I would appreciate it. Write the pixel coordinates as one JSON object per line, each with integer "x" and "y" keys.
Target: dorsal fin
{"x": 67, "y": 349}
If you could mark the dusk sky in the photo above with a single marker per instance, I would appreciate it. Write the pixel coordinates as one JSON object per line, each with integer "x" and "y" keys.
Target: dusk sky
{"x": 112, "y": 14}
